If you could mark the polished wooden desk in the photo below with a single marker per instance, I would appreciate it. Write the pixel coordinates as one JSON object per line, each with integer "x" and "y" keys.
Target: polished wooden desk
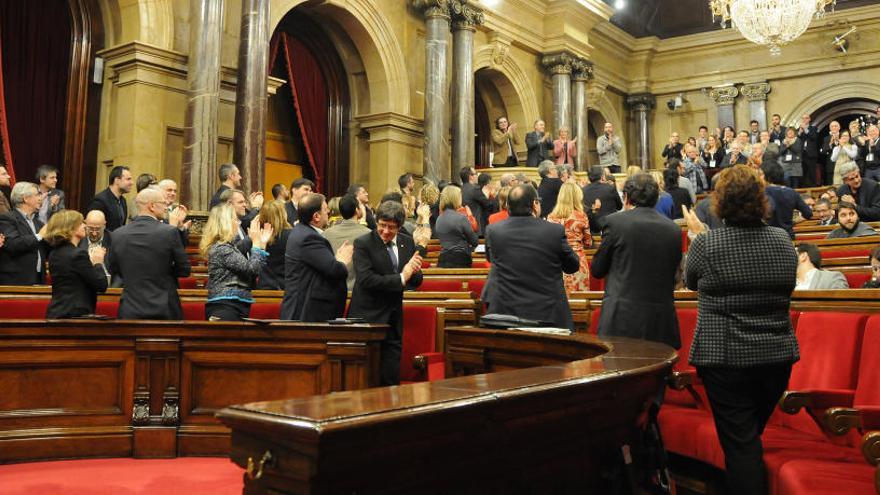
{"x": 78, "y": 388}
{"x": 549, "y": 413}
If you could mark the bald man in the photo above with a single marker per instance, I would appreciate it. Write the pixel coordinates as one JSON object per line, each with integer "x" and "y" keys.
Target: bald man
{"x": 97, "y": 235}
{"x": 149, "y": 257}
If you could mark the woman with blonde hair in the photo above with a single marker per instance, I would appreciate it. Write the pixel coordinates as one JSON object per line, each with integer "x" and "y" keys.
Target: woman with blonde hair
{"x": 77, "y": 275}
{"x": 429, "y": 195}
{"x": 455, "y": 229}
{"x": 665, "y": 204}
{"x": 274, "y": 213}
{"x": 230, "y": 273}
{"x": 564, "y": 148}
{"x": 569, "y": 212}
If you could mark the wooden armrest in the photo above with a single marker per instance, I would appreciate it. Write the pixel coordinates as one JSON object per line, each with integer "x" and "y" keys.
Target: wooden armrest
{"x": 839, "y": 420}
{"x": 681, "y": 380}
{"x": 793, "y": 400}
{"x": 871, "y": 451}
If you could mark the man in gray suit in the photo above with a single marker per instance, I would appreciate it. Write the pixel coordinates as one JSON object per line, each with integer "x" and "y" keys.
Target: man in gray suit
{"x": 810, "y": 275}
{"x": 348, "y": 229}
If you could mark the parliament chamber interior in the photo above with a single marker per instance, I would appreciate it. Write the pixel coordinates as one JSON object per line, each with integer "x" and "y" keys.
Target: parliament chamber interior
{"x": 439, "y": 246}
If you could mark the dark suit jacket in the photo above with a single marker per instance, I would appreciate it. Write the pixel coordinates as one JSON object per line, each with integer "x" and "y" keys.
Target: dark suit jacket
{"x": 528, "y": 258}
{"x": 292, "y": 214}
{"x": 611, "y": 203}
{"x": 149, "y": 257}
{"x": 740, "y": 160}
{"x": 378, "y": 291}
{"x": 215, "y": 199}
{"x": 76, "y": 282}
{"x": 867, "y": 199}
{"x": 18, "y": 256}
{"x": 314, "y": 282}
{"x": 538, "y": 149}
{"x": 639, "y": 256}
{"x": 481, "y": 207}
{"x": 810, "y": 140}
{"x": 272, "y": 275}
{"x": 549, "y": 192}
{"x": 672, "y": 151}
{"x": 109, "y": 204}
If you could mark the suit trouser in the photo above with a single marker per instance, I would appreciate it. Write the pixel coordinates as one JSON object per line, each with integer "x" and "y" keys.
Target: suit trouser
{"x": 390, "y": 350}
{"x": 742, "y": 401}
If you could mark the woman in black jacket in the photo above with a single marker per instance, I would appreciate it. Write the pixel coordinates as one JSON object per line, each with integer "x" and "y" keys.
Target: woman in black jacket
{"x": 77, "y": 275}
{"x": 272, "y": 275}
{"x": 680, "y": 195}
{"x": 744, "y": 345}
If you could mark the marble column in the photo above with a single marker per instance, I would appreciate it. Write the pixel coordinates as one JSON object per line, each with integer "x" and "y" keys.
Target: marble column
{"x": 559, "y": 65}
{"x": 756, "y": 93}
{"x": 465, "y": 18}
{"x": 724, "y": 98}
{"x": 251, "y": 94}
{"x": 641, "y": 106}
{"x": 436, "y": 148}
{"x": 581, "y": 75}
{"x": 203, "y": 100}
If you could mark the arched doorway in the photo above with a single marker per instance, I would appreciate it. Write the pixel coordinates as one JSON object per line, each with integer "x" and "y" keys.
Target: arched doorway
{"x": 496, "y": 97}
{"x": 52, "y": 105}
{"x": 307, "y": 125}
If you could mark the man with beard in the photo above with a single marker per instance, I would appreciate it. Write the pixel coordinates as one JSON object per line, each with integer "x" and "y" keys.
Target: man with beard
{"x": 850, "y": 226}
{"x": 864, "y": 193}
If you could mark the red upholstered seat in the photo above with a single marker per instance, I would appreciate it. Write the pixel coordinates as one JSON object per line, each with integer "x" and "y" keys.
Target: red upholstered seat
{"x": 845, "y": 253}
{"x": 857, "y": 280}
{"x": 823, "y": 477}
{"x": 193, "y": 310}
{"x": 481, "y": 264}
{"x": 266, "y": 311}
{"x": 475, "y": 286}
{"x": 597, "y": 284}
{"x": 433, "y": 285}
{"x": 24, "y": 309}
{"x": 687, "y": 325}
{"x": 191, "y": 283}
{"x": 419, "y": 337}
{"x": 594, "y": 321}
{"x": 107, "y": 308}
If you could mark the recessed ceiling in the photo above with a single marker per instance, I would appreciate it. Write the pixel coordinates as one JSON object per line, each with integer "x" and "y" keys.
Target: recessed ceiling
{"x": 668, "y": 18}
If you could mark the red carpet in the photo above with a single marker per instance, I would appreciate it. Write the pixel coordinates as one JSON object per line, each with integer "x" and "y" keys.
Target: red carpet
{"x": 182, "y": 476}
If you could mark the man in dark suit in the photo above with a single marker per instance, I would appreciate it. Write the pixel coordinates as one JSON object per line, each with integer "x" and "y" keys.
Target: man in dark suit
{"x": 23, "y": 255}
{"x": 97, "y": 236}
{"x": 809, "y": 136}
{"x": 605, "y": 194}
{"x": 299, "y": 188}
{"x": 111, "y": 201}
{"x": 360, "y": 192}
{"x": 528, "y": 258}
{"x": 149, "y": 257}
{"x": 230, "y": 178}
{"x": 314, "y": 277}
{"x": 386, "y": 263}
{"x": 639, "y": 254}
{"x": 863, "y": 192}
{"x": 472, "y": 196}
{"x": 548, "y": 191}
{"x": 539, "y": 145}
{"x": 735, "y": 156}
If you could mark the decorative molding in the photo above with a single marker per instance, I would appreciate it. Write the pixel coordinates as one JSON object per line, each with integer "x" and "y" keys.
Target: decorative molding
{"x": 641, "y": 102}
{"x": 140, "y": 413}
{"x": 432, "y": 8}
{"x": 521, "y": 81}
{"x": 755, "y": 91}
{"x": 595, "y": 92}
{"x": 559, "y": 63}
{"x": 500, "y": 45}
{"x": 170, "y": 415}
{"x": 722, "y": 95}
{"x": 465, "y": 15}
{"x": 582, "y": 70}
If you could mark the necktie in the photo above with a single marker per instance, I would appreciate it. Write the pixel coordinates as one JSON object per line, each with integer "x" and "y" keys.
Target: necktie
{"x": 565, "y": 149}
{"x": 120, "y": 211}
{"x": 390, "y": 248}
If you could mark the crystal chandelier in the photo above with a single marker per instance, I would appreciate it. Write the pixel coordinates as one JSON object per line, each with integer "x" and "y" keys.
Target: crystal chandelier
{"x": 769, "y": 22}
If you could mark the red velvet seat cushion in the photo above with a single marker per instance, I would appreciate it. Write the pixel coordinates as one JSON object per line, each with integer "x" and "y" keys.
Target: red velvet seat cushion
{"x": 432, "y": 285}
{"x": 687, "y": 325}
{"x": 107, "y": 308}
{"x": 193, "y": 310}
{"x": 857, "y": 280}
{"x": 419, "y": 336}
{"x": 481, "y": 264}
{"x": 24, "y": 309}
{"x": 811, "y": 476}
{"x": 678, "y": 427}
{"x": 594, "y": 321}
{"x": 475, "y": 286}
{"x": 266, "y": 311}
{"x": 191, "y": 283}
{"x": 845, "y": 253}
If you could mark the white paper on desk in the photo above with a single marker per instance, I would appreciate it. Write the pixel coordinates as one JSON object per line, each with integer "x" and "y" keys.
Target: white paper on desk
{"x": 481, "y": 248}
{"x": 545, "y": 330}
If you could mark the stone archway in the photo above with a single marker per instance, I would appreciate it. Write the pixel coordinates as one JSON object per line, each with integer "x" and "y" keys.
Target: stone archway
{"x": 147, "y": 21}
{"x": 600, "y": 111}
{"x": 826, "y": 96}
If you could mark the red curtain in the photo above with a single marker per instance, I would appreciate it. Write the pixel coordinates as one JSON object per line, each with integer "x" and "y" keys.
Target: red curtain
{"x": 310, "y": 101}
{"x": 35, "y": 43}
{"x": 5, "y": 151}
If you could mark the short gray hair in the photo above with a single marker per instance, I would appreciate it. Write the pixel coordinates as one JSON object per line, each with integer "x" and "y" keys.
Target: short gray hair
{"x": 544, "y": 167}
{"x": 506, "y": 178}
{"x": 166, "y": 182}
{"x": 848, "y": 168}
{"x": 565, "y": 168}
{"x": 21, "y": 191}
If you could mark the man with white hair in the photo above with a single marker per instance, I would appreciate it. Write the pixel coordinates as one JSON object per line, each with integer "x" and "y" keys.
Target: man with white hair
{"x": 508, "y": 180}
{"x": 149, "y": 257}
{"x": 97, "y": 236}
{"x": 23, "y": 255}
{"x": 735, "y": 156}
{"x": 175, "y": 214}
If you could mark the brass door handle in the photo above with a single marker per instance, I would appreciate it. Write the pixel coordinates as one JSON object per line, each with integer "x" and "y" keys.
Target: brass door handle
{"x": 255, "y": 471}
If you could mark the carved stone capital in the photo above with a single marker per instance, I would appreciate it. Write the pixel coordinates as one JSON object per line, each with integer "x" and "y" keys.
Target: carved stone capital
{"x": 641, "y": 101}
{"x": 500, "y": 48}
{"x": 465, "y": 15}
{"x": 755, "y": 91}
{"x": 582, "y": 70}
{"x": 595, "y": 92}
{"x": 724, "y": 95}
{"x": 432, "y": 8}
{"x": 558, "y": 63}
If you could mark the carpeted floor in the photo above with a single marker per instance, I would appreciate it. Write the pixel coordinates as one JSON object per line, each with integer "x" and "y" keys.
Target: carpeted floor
{"x": 181, "y": 476}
